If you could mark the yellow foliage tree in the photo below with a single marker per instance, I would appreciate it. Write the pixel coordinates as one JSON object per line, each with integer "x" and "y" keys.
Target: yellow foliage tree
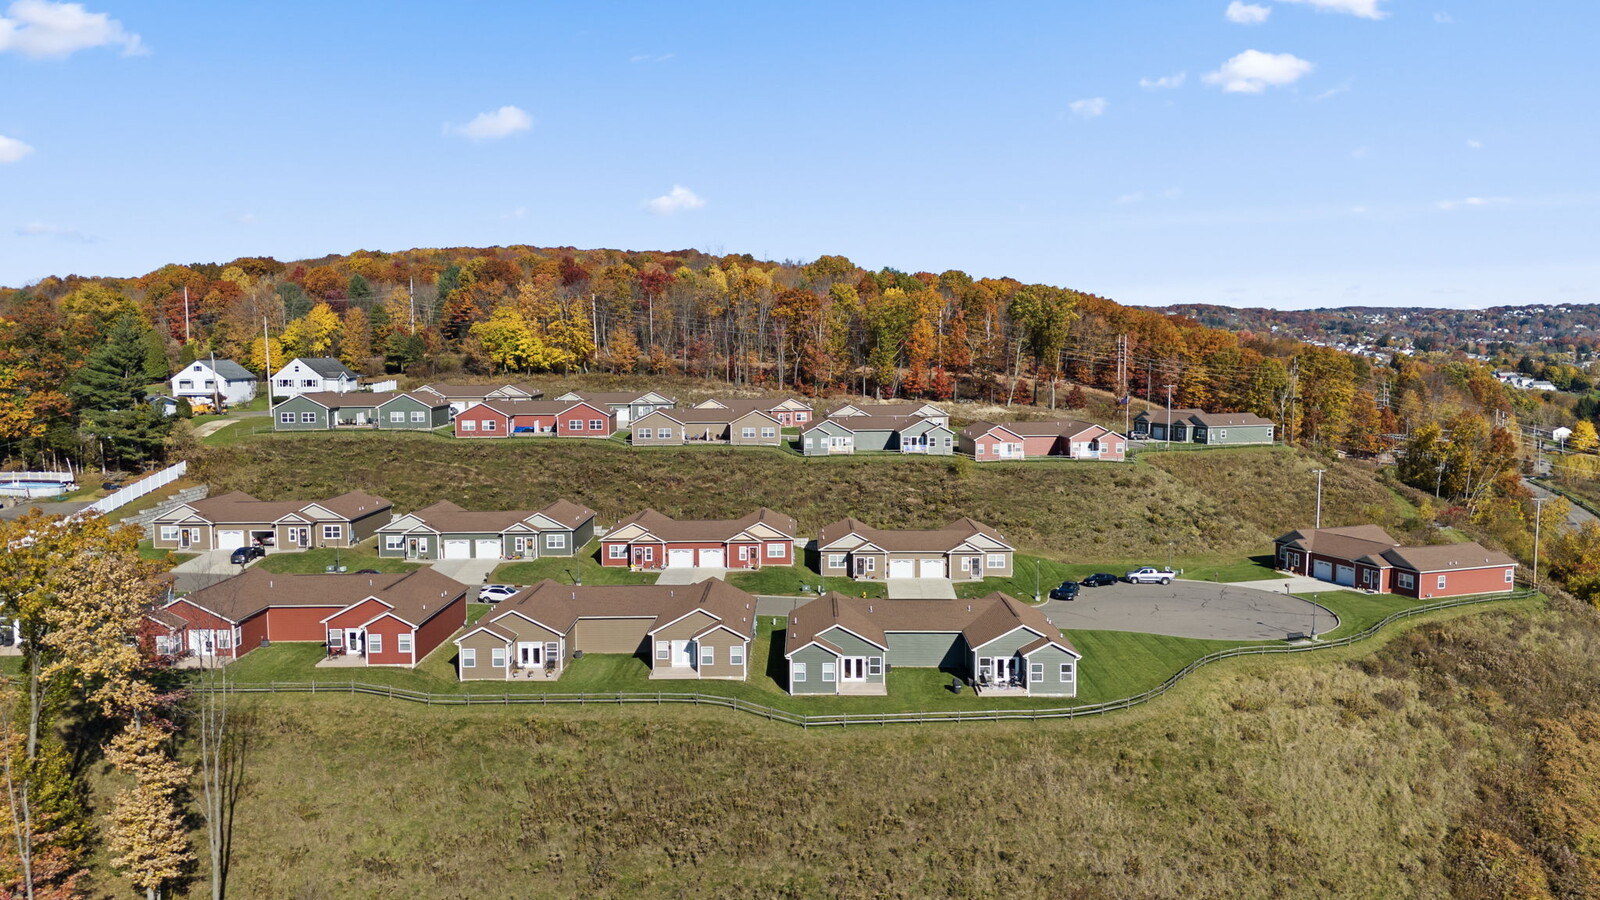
{"x": 1584, "y": 439}
{"x": 313, "y": 334}
{"x": 265, "y": 352}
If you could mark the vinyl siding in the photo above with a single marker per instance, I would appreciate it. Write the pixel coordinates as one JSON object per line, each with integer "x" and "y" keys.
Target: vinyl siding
{"x": 298, "y": 405}
{"x": 1006, "y": 644}
{"x": 813, "y": 657}
{"x": 1052, "y": 657}
{"x": 483, "y": 643}
{"x": 722, "y": 640}
{"x": 1237, "y": 434}
{"x": 610, "y": 635}
{"x": 685, "y": 628}
{"x": 941, "y": 650}
{"x": 849, "y": 643}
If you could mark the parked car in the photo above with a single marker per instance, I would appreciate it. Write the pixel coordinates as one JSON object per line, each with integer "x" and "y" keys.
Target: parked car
{"x": 1066, "y": 590}
{"x": 494, "y": 593}
{"x": 1100, "y": 579}
{"x": 243, "y": 555}
{"x": 1151, "y": 575}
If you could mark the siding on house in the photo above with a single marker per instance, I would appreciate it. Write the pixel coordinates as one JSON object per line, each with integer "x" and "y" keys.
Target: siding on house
{"x": 301, "y": 408}
{"x": 927, "y": 650}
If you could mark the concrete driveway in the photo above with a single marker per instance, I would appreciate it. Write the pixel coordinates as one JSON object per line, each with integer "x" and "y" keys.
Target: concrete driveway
{"x": 690, "y": 574}
{"x": 206, "y": 569}
{"x": 1194, "y": 609}
{"x": 920, "y": 589}
{"x": 467, "y": 571}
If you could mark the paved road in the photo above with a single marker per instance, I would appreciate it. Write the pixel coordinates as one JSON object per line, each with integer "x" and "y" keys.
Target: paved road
{"x": 1578, "y": 514}
{"x": 1196, "y": 609}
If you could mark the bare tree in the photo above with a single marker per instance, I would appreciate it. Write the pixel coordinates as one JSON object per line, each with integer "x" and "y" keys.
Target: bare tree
{"x": 224, "y": 734}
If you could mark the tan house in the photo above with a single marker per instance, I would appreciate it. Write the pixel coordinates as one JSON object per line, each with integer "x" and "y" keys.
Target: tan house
{"x": 236, "y": 519}
{"x": 789, "y": 411}
{"x": 964, "y": 550}
{"x": 895, "y": 408}
{"x": 690, "y": 631}
{"x": 707, "y": 425}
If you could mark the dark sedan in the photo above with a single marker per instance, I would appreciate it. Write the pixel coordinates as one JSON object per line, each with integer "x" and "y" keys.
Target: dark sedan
{"x": 245, "y": 554}
{"x": 1099, "y": 579}
{"x": 1066, "y": 590}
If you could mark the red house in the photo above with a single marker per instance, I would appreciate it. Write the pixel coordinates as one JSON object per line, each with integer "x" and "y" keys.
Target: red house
{"x": 989, "y": 441}
{"x": 401, "y": 624}
{"x": 532, "y": 418}
{"x": 1367, "y": 558}
{"x": 229, "y": 619}
{"x": 650, "y": 540}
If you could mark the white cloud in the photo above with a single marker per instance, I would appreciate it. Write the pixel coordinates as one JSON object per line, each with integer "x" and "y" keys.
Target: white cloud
{"x": 1361, "y": 153}
{"x": 40, "y": 229}
{"x": 503, "y": 122}
{"x": 676, "y": 200}
{"x": 245, "y": 218}
{"x": 12, "y": 149}
{"x": 1444, "y": 18}
{"x": 43, "y": 30}
{"x": 1473, "y": 201}
{"x": 1165, "y": 82}
{"x": 1135, "y": 197}
{"x": 1252, "y": 72}
{"x": 1246, "y": 13}
{"x": 1334, "y": 91}
{"x": 650, "y": 58}
{"x": 1088, "y": 107}
{"x": 1474, "y": 144}
{"x": 1365, "y": 9}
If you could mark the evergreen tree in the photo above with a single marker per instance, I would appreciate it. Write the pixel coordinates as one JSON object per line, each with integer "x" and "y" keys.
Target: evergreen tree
{"x": 128, "y": 435}
{"x": 295, "y": 301}
{"x": 115, "y": 375}
{"x": 360, "y": 292}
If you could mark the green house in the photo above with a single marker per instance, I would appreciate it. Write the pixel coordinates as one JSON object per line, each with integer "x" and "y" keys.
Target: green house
{"x": 1002, "y": 647}
{"x": 322, "y": 410}
{"x": 412, "y": 412}
{"x": 446, "y": 531}
{"x": 1231, "y": 428}
{"x": 894, "y": 434}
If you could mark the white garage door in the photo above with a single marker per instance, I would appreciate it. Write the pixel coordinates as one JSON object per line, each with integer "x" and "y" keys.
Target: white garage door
{"x": 488, "y": 548}
{"x": 457, "y": 549}
{"x": 932, "y": 568}
{"x": 229, "y": 540}
{"x": 1345, "y": 575}
{"x": 902, "y": 568}
{"x": 680, "y": 558}
{"x": 1322, "y": 569}
{"x": 713, "y": 558}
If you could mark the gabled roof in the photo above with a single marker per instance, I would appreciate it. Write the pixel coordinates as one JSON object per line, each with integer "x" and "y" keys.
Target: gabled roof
{"x": 239, "y": 508}
{"x": 1161, "y": 416}
{"x": 1067, "y": 428}
{"x": 227, "y": 369}
{"x": 979, "y": 429}
{"x": 510, "y": 408}
{"x": 893, "y": 408}
{"x": 426, "y": 398}
{"x": 1446, "y": 557}
{"x": 242, "y": 596}
{"x": 167, "y": 618}
{"x": 324, "y": 366}
{"x": 480, "y": 391}
{"x": 560, "y": 606}
{"x": 980, "y": 621}
{"x": 669, "y": 529}
{"x": 710, "y": 415}
{"x": 752, "y": 404}
{"x": 355, "y": 504}
{"x": 335, "y": 400}
{"x": 953, "y": 536}
{"x": 616, "y": 398}
{"x": 445, "y": 517}
{"x": 1352, "y": 542}
{"x": 874, "y": 422}
{"x": 1228, "y": 419}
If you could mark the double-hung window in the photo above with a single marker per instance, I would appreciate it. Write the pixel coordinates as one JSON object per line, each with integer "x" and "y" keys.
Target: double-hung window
{"x": 404, "y": 642}
{"x": 286, "y": 418}
{"x": 1511, "y": 576}
{"x": 775, "y": 550}
{"x": 646, "y": 434}
{"x": 828, "y": 671}
{"x": 374, "y": 643}
{"x": 488, "y": 425}
{"x": 835, "y": 560}
{"x": 394, "y": 542}
{"x": 736, "y": 655}
{"x": 1066, "y": 672}
{"x": 469, "y": 658}
{"x": 747, "y": 432}
{"x": 468, "y": 425}
{"x": 597, "y": 424}
{"x": 169, "y": 532}
{"x": 663, "y": 650}
{"x": 1036, "y": 672}
{"x": 874, "y": 666}
{"x": 798, "y": 674}
{"x": 1441, "y": 582}
{"x": 308, "y": 418}
{"x": 397, "y": 416}
{"x": 574, "y": 424}
{"x": 497, "y": 657}
{"x": 997, "y": 561}
{"x": 555, "y": 541}
{"x": 332, "y": 532}
{"x": 419, "y": 416}
{"x": 708, "y": 655}
{"x": 769, "y": 432}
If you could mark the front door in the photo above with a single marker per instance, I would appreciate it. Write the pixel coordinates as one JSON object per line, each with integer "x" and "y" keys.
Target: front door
{"x": 528, "y": 655}
{"x": 854, "y": 668}
{"x": 299, "y": 537}
{"x": 187, "y": 537}
{"x": 354, "y": 641}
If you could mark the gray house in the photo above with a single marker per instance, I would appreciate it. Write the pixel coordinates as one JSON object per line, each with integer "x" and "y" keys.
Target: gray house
{"x": 629, "y": 406}
{"x": 964, "y": 550}
{"x": 446, "y": 531}
{"x": 714, "y": 425}
{"x": 895, "y": 434}
{"x": 1185, "y": 426}
{"x": 325, "y": 410}
{"x": 841, "y": 645}
{"x": 892, "y": 408}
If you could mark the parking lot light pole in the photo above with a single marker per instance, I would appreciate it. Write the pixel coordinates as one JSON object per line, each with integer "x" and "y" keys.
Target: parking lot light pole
{"x": 1169, "y": 554}
{"x": 1036, "y": 581}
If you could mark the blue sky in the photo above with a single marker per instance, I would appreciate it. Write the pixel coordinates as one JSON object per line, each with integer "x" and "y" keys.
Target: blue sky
{"x": 1306, "y": 153}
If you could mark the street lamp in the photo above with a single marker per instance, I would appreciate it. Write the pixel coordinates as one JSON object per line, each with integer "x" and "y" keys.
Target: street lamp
{"x": 1169, "y": 554}
{"x": 1538, "y": 517}
{"x": 1169, "y": 415}
{"x": 1319, "y": 496}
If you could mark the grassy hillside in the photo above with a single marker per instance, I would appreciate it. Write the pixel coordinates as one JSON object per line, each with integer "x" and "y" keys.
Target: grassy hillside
{"x": 1228, "y": 502}
{"x": 1355, "y": 776}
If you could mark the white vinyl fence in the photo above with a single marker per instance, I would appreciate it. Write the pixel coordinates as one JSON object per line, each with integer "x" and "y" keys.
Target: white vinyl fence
{"x": 124, "y": 496}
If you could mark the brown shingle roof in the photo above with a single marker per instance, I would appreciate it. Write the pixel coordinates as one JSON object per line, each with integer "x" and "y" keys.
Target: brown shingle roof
{"x": 418, "y": 596}
{"x": 892, "y": 408}
{"x": 336, "y": 400}
{"x": 670, "y": 529}
{"x": 237, "y": 507}
{"x": 354, "y": 504}
{"x": 874, "y": 422}
{"x": 933, "y": 539}
{"x": 528, "y": 407}
{"x": 1347, "y": 542}
{"x": 1227, "y": 419}
{"x": 980, "y": 620}
{"x": 1446, "y": 557}
{"x": 560, "y": 606}
{"x": 1160, "y": 416}
{"x": 242, "y": 596}
{"x": 447, "y": 517}
{"x": 479, "y": 391}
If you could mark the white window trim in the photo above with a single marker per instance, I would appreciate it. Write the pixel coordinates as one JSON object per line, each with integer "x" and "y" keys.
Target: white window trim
{"x": 835, "y": 560}
{"x": 332, "y": 532}
{"x": 736, "y": 655}
{"x": 797, "y": 673}
{"x": 556, "y": 541}
{"x": 663, "y": 651}
{"x": 497, "y": 657}
{"x": 666, "y": 434}
{"x": 418, "y": 415}
{"x": 574, "y": 424}
{"x": 286, "y": 418}
{"x": 469, "y": 658}
{"x": 468, "y": 425}
{"x": 597, "y": 424}
{"x": 1035, "y": 673}
{"x": 830, "y": 672}
{"x": 169, "y": 532}
{"x": 374, "y": 643}
{"x": 1069, "y": 672}
{"x": 488, "y": 425}
{"x": 646, "y": 434}
{"x": 1406, "y": 580}
{"x": 396, "y": 415}
{"x": 997, "y": 561}
{"x": 1441, "y": 582}
{"x": 1511, "y": 576}
{"x": 308, "y": 418}
{"x": 394, "y": 542}
{"x": 618, "y": 551}
{"x": 708, "y": 655}
{"x": 403, "y": 643}
{"x": 874, "y": 665}
{"x": 775, "y": 550}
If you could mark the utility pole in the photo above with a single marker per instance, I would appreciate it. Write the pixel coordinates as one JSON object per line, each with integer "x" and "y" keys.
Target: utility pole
{"x": 1169, "y": 415}
{"x": 411, "y": 296}
{"x": 186, "y": 314}
{"x": 216, "y": 389}
{"x": 1319, "y": 496}
{"x": 266, "y": 357}
{"x": 1538, "y": 509}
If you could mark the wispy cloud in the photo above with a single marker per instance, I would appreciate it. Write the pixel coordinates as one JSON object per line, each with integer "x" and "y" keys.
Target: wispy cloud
{"x": 1253, "y": 71}
{"x": 1336, "y": 90}
{"x": 1474, "y": 144}
{"x": 650, "y": 58}
{"x": 520, "y": 212}
{"x": 44, "y": 30}
{"x": 12, "y": 149}
{"x": 1246, "y": 13}
{"x": 1365, "y": 9}
{"x": 676, "y": 200}
{"x": 1469, "y": 202}
{"x": 1088, "y": 107}
{"x": 245, "y": 218}
{"x": 1165, "y": 82}
{"x": 499, "y": 123}
{"x": 40, "y": 229}
{"x": 1444, "y": 18}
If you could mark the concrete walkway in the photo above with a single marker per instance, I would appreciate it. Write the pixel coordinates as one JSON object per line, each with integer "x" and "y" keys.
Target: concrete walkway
{"x": 207, "y": 568}
{"x": 467, "y": 571}
{"x": 690, "y": 574}
{"x": 1294, "y": 584}
{"x": 920, "y": 589}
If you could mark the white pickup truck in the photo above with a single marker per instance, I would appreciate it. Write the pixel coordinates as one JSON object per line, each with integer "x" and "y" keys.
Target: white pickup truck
{"x": 1151, "y": 575}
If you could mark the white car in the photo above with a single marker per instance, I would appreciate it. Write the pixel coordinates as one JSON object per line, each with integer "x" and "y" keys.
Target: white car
{"x": 494, "y": 593}
{"x": 1151, "y": 575}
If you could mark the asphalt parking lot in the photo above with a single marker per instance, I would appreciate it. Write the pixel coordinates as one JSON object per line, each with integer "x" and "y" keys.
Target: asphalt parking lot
{"x": 1194, "y": 609}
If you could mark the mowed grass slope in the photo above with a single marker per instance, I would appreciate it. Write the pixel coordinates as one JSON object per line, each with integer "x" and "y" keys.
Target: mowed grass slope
{"x": 1219, "y": 502}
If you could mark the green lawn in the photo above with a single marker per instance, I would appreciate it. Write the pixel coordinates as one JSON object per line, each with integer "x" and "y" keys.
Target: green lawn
{"x": 791, "y": 581}
{"x": 584, "y": 568}
{"x": 364, "y": 556}
{"x": 170, "y": 558}
{"x": 242, "y": 430}
{"x": 1052, "y": 573}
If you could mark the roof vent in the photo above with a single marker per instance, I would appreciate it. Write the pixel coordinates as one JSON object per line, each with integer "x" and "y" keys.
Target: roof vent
{"x": 869, "y": 607}
{"x": 969, "y": 607}
{"x": 794, "y": 620}
{"x": 269, "y": 583}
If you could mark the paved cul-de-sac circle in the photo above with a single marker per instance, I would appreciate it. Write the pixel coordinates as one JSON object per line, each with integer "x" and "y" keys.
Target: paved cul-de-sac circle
{"x": 1194, "y": 609}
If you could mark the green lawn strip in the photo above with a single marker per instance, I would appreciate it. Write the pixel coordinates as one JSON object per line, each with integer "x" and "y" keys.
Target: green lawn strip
{"x": 239, "y": 431}
{"x": 1052, "y": 573}
{"x": 363, "y": 556}
{"x": 169, "y": 558}
{"x": 1119, "y": 664}
{"x": 792, "y": 581}
{"x": 584, "y": 568}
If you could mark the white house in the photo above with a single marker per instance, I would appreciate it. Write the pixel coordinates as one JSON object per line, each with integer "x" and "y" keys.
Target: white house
{"x": 310, "y": 376}
{"x": 224, "y": 378}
